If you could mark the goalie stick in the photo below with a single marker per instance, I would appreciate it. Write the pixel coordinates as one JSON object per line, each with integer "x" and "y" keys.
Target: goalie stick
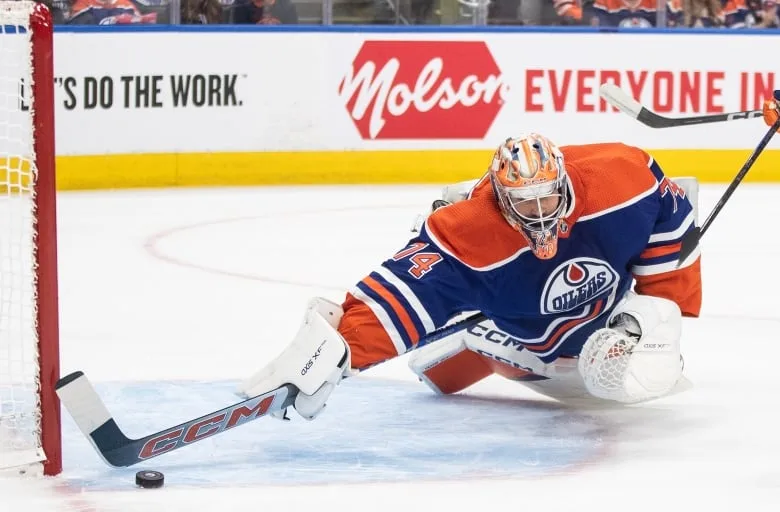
{"x": 93, "y": 419}
{"x": 691, "y": 239}
{"x": 619, "y": 99}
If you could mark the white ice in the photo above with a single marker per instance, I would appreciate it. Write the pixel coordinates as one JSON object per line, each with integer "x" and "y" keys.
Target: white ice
{"x": 168, "y": 297}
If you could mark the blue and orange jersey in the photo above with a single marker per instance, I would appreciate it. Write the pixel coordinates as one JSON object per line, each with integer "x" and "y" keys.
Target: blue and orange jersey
{"x": 634, "y": 13}
{"x": 735, "y": 13}
{"x": 92, "y": 12}
{"x": 622, "y": 230}
{"x": 731, "y": 14}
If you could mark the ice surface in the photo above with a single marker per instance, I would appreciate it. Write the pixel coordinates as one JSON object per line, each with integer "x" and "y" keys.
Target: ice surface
{"x": 167, "y": 298}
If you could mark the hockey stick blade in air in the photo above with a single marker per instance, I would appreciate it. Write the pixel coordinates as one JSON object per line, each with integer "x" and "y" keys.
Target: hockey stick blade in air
{"x": 93, "y": 419}
{"x": 619, "y": 99}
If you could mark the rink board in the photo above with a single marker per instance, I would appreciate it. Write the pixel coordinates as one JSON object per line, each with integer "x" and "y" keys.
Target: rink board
{"x": 269, "y": 168}
{"x": 185, "y": 107}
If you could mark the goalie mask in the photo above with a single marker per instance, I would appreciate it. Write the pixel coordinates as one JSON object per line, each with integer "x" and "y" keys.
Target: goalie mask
{"x": 533, "y": 190}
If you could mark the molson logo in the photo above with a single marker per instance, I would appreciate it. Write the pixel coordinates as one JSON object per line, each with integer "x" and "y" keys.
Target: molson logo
{"x": 423, "y": 90}
{"x": 576, "y": 282}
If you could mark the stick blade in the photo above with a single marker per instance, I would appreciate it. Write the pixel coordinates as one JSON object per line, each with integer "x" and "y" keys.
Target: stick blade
{"x": 80, "y": 399}
{"x": 689, "y": 243}
{"x": 618, "y": 98}
{"x": 82, "y": 402}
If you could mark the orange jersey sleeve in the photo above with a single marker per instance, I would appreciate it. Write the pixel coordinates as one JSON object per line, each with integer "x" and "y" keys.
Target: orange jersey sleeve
{"x": 367, "y": 339}
{"x": 683, "y": 286}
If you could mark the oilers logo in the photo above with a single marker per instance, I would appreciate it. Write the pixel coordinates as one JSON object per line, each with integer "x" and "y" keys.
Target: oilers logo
{"x": 576, "y": 282}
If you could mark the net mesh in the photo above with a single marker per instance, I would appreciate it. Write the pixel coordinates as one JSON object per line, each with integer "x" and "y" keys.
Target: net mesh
{"x": 20, "y": 430}
{"x": 604, "y": 362}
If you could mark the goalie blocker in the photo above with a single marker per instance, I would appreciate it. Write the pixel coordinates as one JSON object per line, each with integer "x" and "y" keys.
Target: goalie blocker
{"x": 315, "y": 362}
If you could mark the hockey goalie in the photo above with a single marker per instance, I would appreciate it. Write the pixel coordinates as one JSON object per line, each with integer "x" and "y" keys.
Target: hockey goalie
{"x": 570, "y": 253}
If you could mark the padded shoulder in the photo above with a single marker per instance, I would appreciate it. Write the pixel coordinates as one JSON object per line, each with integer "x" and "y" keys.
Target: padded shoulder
{"x": 607, "y": 176}
{"x": 474, "y": 232}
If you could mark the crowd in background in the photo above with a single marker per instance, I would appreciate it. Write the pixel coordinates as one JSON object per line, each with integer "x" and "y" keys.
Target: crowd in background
{"x": 754, "y": 14}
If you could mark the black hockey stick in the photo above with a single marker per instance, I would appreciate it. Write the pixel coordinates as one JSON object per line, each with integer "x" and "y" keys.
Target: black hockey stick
{"x": 691, "y": 239}
{"x": 619, "y": 99}
{"x": 96, "y": 423}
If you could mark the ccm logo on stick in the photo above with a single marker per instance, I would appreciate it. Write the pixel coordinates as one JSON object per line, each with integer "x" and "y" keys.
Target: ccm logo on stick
{"x": 205, "y": 427}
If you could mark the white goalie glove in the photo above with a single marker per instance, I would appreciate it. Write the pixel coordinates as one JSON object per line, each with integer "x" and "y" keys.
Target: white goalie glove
{"x": 637, "y": 357}
{"x": 315, "y": 362}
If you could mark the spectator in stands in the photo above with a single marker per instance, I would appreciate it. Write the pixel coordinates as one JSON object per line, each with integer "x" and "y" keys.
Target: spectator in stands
{"x": 633, "y": 13}
{"x": 108, "y": 12}
{"x": 763, "y": 14}
{"x": 535, "y": 12}
{"x": 264, "y": 12}
{"x": 201, "y": 12}
{"x": 570, "y": 10}
{"x": 703, "y": 13}
{"x": 735, "y": 13}
{"x": 717, "y": 13}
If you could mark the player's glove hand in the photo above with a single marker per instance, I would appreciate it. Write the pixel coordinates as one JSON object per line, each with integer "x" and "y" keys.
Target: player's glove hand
{"x": 637, "y": 356}
{"x": 627, "y": 324}
{"x": 770, "y": 111}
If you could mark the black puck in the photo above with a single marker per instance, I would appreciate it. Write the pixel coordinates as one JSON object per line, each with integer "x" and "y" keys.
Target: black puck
{"x": 149, "y": 479}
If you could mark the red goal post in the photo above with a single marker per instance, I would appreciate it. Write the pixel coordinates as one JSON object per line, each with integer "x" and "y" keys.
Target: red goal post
{"x": 30, "y": 433}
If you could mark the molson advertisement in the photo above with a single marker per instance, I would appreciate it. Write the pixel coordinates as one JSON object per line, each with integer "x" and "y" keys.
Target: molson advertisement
{"x": 158, "y": 108}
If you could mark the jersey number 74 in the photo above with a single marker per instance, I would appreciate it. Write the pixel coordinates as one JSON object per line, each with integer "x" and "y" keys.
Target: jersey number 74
{"x": 422, "y": 262}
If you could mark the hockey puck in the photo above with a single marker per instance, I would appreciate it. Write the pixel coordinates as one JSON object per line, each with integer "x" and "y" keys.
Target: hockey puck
{"x": 149, "y": 479}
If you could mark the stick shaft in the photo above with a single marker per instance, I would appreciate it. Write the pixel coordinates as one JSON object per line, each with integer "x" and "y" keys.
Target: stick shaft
{"x": 740, "y": 175}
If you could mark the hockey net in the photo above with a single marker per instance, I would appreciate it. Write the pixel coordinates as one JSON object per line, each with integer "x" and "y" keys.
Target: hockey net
{"x": 29, "y": 354}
